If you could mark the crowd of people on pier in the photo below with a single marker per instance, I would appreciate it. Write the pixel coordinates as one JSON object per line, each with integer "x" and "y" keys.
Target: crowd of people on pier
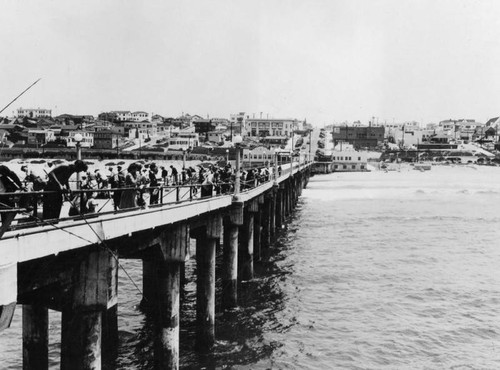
{"x": 130, "y": 187}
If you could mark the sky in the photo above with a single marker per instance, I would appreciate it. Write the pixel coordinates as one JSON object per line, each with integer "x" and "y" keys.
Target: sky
{"x": 325, "y": 61}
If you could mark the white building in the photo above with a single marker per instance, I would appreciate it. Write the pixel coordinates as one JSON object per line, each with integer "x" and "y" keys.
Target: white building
{"x": 259, "y": 156}
{"x": 87, "y": 139}
{"x": 346, "y": 159}
{"x": 34, "y": 113}
{"x": 183, "y": 141}
{"x": 40, "y": 137}
{"x": 260, "y": 127}
{"x": 140, "y": 116}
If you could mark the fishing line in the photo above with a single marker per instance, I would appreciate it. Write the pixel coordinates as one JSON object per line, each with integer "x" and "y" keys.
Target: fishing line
{"x": 86, "y": 240}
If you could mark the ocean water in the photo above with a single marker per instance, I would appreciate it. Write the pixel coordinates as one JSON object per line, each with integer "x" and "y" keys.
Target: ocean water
{"x": 396, "y": 270}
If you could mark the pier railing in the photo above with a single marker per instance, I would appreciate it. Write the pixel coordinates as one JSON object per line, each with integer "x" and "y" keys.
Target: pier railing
{"x": 23, "y": 209}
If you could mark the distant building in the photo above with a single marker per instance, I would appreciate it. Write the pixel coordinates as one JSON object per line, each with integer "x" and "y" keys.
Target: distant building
{"x": 359, "y": 137}
{"x": 143, "y": 129}
{"x": 237, "y": 122}
{"x": 87, "y": 139}
{"x": 183, "y": 141}
{"x": 260, "y": 127}
{"x": 108, "y": 116}
{"x": 216, "y": 136}
{"x": 34, "y": 113}
{"x": 123, "y": 115}
{"x": 203, "y": 127}
{"x": 126, "y": 115}
{"x": 105, "y": 139}
{"x": 258, "y": 156}
{"x": 140, "y": 116}
{"x": 493, "y": 122}
{"x": 275, "y": 141}
{"x": 349, "y": 160}
{"x": 220, "y": 121}
{"x": 158, "y": 119}
{"x": 40, "y": 137}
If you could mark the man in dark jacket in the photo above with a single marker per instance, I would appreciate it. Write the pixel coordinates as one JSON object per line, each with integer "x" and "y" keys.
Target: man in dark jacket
{"x": 57, "y": 184}
{"x": 9, "y": 183}
{"x": 153, "y": 183}
{"x": 175, "y": 178}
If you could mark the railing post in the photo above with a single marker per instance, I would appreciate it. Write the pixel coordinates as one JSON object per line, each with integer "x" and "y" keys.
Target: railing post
{"x": 238, "y": 172}
{"x": 177, "y": 193}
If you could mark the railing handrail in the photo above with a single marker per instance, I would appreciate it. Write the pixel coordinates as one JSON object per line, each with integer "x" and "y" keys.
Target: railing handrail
{"x": 189, "y": 184}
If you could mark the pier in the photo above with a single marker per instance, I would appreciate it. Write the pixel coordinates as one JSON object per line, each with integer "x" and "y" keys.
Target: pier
{"x": 72, "y": 267}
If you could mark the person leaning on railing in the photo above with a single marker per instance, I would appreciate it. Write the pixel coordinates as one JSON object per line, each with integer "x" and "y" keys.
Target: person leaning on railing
{"x": 57, "y": 184}
{"x": 9, "y": 183}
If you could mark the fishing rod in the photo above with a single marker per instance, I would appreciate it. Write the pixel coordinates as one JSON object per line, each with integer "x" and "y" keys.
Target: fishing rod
{"x": 29, "y": 87}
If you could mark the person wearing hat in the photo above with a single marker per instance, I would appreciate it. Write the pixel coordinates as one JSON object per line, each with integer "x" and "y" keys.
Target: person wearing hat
{"x": 129, "y": 196}
{"x": 117, "y": 181}
{"x": 153, "y": 184}
{"x": 174, "y": 175}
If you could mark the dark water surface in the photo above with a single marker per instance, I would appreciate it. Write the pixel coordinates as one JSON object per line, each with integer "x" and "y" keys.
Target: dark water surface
{"x": 396, "y": 270}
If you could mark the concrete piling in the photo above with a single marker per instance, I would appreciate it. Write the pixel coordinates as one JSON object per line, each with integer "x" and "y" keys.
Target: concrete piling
{"x": 246, "y": 244}
{"x": 257, "y": 229}
{"x": 82, "y": 313}
{"x": 174, "y": 246}
{"x": 231, "y": 236}
{"x": 206, "y": 239}
{"x": 35, "y": 337}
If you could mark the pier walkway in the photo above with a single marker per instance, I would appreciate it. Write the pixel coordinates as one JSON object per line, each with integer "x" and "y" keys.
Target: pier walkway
{"x": 72, "y": 266}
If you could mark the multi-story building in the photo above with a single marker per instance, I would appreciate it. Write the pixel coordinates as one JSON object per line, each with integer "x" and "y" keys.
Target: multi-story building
{"x": 123, "y": 115}
{"x": 183, "y": 141}
{"x": 145, "y": 127}
{"x": 105, "y": 139}
{"x": 359, "y": 137}
{"x": 203, "y": 126}
{"x": 34, "y": 113}
{"x": 237, "y": 122}
{"x": 40, "y": 137}
{"x": 260, "y": 127}
{"x": 349, "y": 160}
{"x": 215, "y": 136}
{"x": 140, "y": 116}
{"x": 87, "y": 139}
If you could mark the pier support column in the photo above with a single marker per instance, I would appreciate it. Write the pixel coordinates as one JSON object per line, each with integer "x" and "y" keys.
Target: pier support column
{"x": 205, "y": 283}
{"x": 266, "y": 222}
{"x": 257, "y": 228}
{"x": 174, "y": 245}
{"x": 279, "y": 206}
{"x": 110, "y": 333}
{"x": 230, "y": 277}
{"x": 289, "y": 198}
{"x": 35, "y": 337}
{"x": 149, "y": 282}
{"x": 8, "y": 292}
{"x": 272, "y": 215}
{"x": 246, "y": 242}
{"x": 82, "y": 313}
